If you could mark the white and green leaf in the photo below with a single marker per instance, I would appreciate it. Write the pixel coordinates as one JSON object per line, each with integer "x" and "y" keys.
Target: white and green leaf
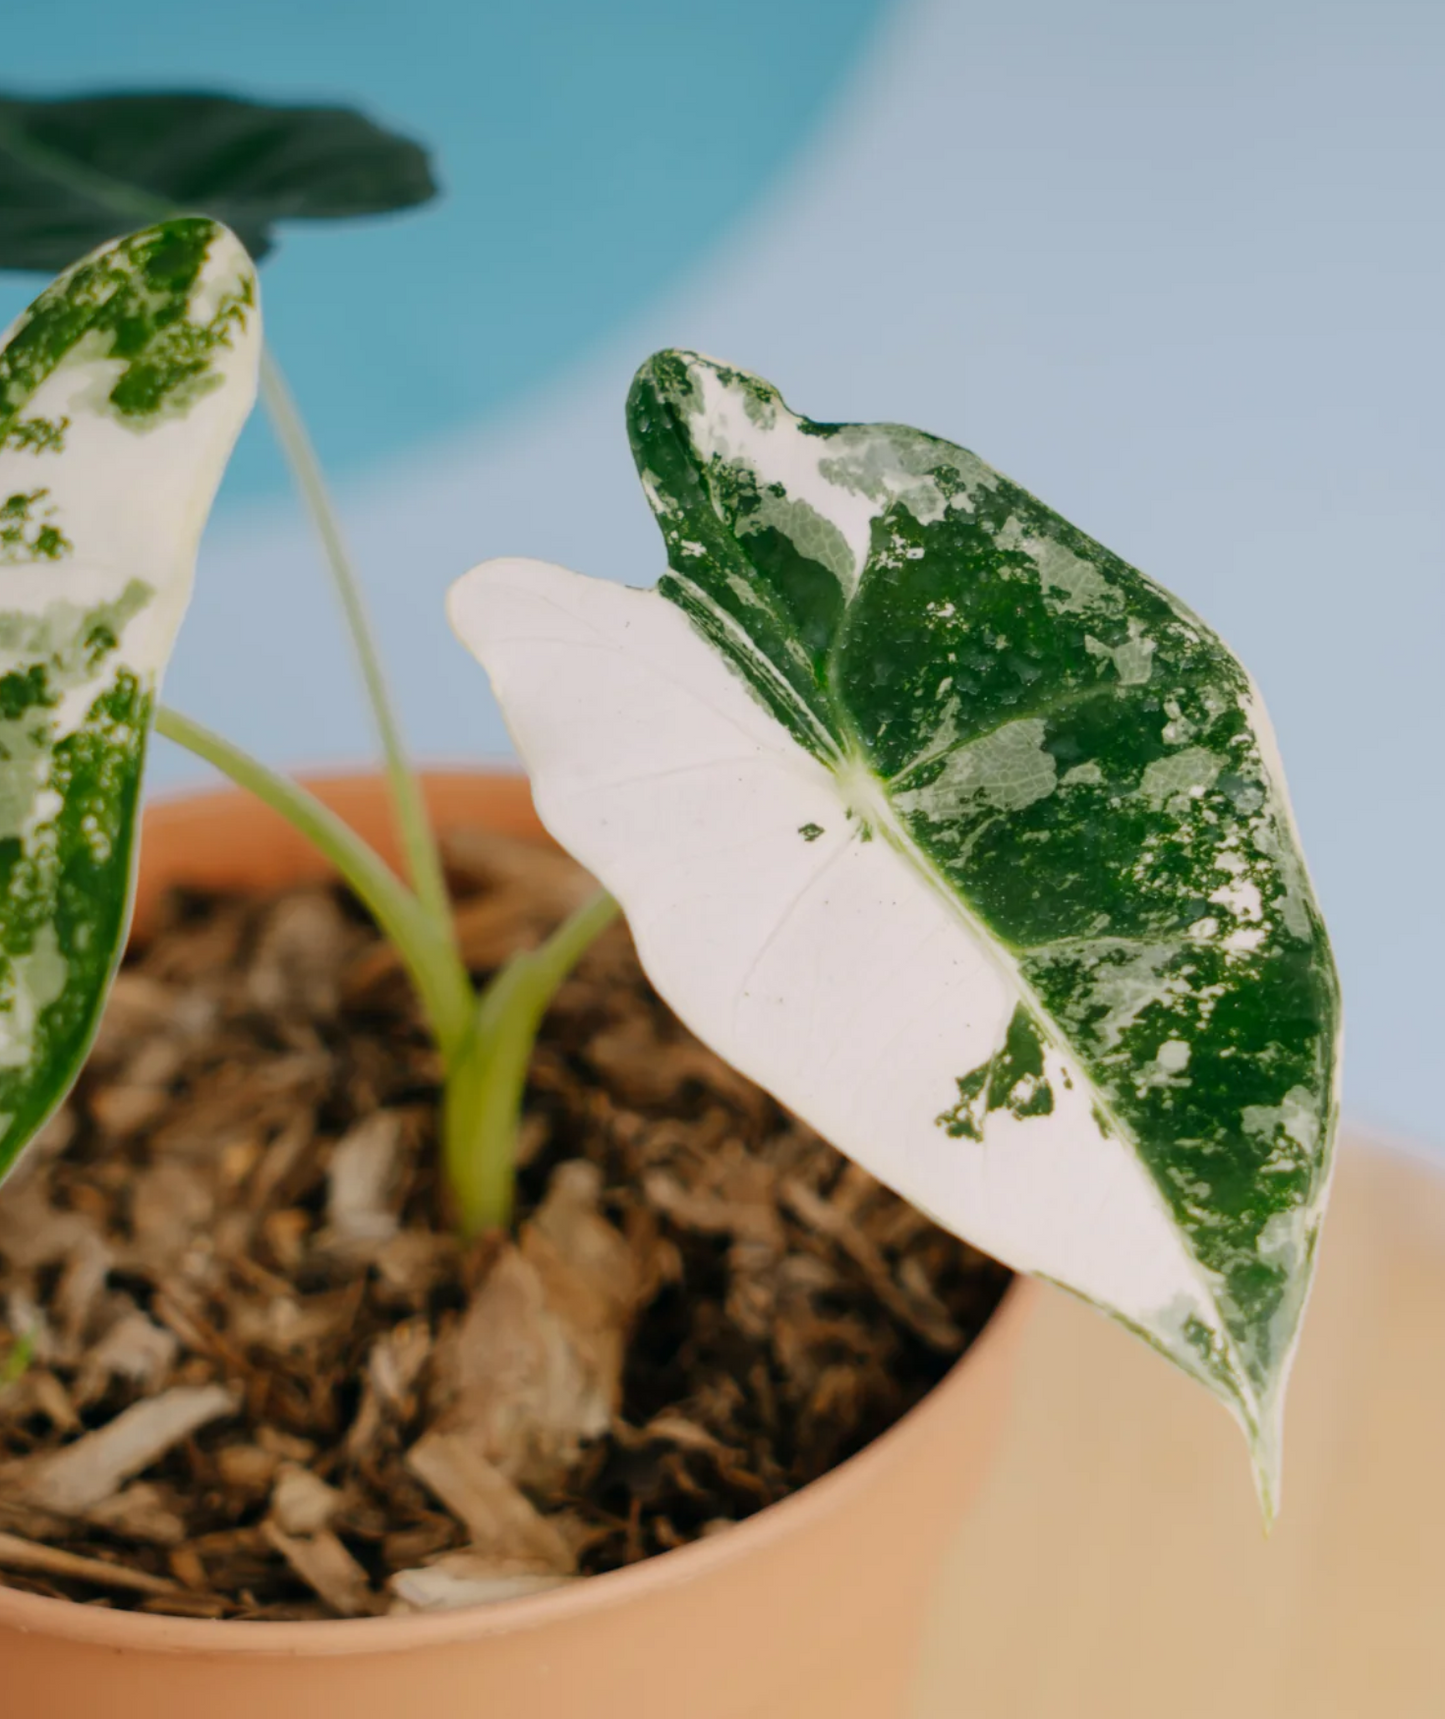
{"x": 963, "y": 838}
{"x": 122, "y": 390}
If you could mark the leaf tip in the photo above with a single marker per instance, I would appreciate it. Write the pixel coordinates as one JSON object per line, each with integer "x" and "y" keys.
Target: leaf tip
{"x": 1266, "y": 1451}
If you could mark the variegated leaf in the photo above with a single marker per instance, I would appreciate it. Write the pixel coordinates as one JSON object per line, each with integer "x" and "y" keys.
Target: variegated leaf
{"x": 122, "y": 389}
{"x": 967, "y": 841}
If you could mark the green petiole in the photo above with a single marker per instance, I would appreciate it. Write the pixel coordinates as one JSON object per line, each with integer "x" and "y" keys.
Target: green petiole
{"x": 484, "y": 1097}
{"x": 485, "y": 1041}
{"x": 417, "y": 843}
{"x": 430, "y": 956}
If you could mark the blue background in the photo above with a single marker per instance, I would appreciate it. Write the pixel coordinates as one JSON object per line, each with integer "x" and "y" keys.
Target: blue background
{"x": 1177, "y": 265}
{"x": 588, "y": 151}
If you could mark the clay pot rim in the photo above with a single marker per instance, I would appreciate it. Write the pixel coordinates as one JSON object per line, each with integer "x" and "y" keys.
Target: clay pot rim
{"x": 69, "y": 1620}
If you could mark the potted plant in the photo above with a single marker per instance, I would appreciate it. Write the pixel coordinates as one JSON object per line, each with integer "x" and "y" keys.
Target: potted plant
{"x": 945, "y": 828}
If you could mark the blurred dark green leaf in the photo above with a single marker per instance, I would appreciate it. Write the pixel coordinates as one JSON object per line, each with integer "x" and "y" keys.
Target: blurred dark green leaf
{"x": 77, "y": 171}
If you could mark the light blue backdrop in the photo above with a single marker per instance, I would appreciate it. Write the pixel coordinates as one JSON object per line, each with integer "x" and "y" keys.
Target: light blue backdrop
{"x": 1175, "y": 264}
{"x": 588, "y": 150}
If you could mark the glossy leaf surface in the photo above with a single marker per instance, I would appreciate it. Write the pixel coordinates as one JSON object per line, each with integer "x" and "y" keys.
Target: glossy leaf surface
{"x": 122, "y": 390}
{"x": 967, "y": 841}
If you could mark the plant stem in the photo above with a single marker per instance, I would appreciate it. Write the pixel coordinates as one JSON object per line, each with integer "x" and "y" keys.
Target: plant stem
{"x": 423, "y": 862}
{"x": 429, "y": 951}
{"x": 483, "y": 1098}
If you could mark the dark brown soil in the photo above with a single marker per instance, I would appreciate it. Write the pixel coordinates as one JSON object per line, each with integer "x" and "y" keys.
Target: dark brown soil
{"x": 246, "y": 1370}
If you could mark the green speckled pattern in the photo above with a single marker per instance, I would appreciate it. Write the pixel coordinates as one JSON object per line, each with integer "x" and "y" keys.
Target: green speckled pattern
{"x": 1082, "y": 767}
{"x": 121, "y": 391}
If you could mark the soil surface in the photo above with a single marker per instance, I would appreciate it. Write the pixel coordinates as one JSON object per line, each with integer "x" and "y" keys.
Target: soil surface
{"x": 247, "y": 1370}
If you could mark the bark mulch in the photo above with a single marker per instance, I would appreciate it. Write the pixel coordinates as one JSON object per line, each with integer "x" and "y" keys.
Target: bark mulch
{"x": 248, "y": 1371}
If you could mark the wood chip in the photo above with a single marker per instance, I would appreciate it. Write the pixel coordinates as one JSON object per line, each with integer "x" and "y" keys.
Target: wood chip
{"x": 247, "y": 1467}
{"x": 303, "y": 948}
{"x": 288, "y": 1325}
{"x": 135, "y": 1348}
{"x": 16, "y": 1554}
{"x": 172, "y": 1205}
{"x": 677, "y": 1429}
{"x": 519, "y": 1388}
{"x": 411, "y": 1546}
{"x": 535, "y": 1369}
{"x": 650, "y": 1073}
{"x": 301, "y": 1502}
{"x": 81, "y": 1289}
{"x": 189, "y": 1569}
{"x": 51, "y": 1399}
{"x": 412, "y": 1263}
{"x": 77, "y": 1477}
{"x": 711, "y": 1212}
{"x": 586, "y": 1264}
{"x": 389, "y": 1395}
{"x": 502, "y": 1522}
{"x": 326, "y": 1567}
{"x": 286, "y": 1233}
{"x": 32, "y": 1232}
{"x": 283, "y": 1161}
{"x": 459, "y": 1579}
{"x": 360, "y": 1182}
{"x": 395, "y": 1364}
{"x": 140, "y": 1512}
{"x": 286, "y": 1446}
{"x": 928, "y": 1318}
{"x": 124, "y": 1110}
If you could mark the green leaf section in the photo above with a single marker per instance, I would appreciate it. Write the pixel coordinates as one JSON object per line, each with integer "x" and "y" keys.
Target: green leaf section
{"x": 124, "y": 344}
{"x": 1012, "y": 1079}
{"x": 77, "y": 171}
{"x": 1073, "y": 757}
{"x": 131, "y": 304}
{"x": 64, "y": 873}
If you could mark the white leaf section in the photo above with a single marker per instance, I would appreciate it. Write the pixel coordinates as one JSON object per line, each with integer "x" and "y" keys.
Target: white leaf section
{"x": 821, "y": 961}
{"x": 131, "y": 493}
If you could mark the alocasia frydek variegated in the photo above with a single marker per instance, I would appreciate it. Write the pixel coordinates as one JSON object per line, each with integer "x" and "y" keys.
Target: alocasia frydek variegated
{"x": 930, "y": 814}
{"x": 963, "y": 838}
{"x": 122, "y": 390}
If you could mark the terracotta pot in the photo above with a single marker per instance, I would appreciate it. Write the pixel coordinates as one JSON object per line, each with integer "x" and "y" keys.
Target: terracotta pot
{"x": 813, "y": 1609}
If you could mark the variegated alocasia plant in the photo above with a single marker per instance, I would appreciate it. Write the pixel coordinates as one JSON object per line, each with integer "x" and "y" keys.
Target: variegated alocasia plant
{"x": 967, "y": 841}
{"x": 122, "y": 389}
